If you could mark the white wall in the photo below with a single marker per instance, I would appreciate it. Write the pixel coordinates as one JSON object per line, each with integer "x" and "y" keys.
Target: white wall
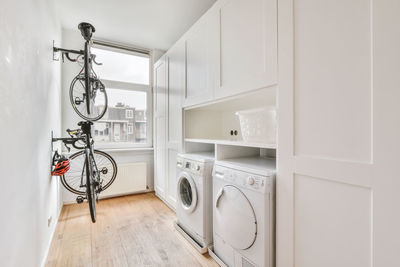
{"x": 72, "y": 39}
{"x": 29, "y": 110}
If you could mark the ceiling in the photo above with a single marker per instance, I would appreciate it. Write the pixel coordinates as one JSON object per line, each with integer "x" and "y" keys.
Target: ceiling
{"x": 152, "y": 24}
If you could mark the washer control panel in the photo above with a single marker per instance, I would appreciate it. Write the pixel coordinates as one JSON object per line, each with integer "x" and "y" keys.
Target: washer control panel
{"x": 251, "y": 181}
{"x": 190, "y": 165}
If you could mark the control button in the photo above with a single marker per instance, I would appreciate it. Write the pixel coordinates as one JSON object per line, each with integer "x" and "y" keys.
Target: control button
{"x": 198, "y": 168}
{"x": 250, "y": 180}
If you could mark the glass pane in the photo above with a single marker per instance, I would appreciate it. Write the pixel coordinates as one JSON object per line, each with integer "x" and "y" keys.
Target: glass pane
{"x": 121, "y": 66}
{"x": 125, "y": 120}
{"x": 186, "y": 193}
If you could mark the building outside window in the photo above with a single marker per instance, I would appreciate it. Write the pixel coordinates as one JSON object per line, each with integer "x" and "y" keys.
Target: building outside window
{"x": 126, "y": 76}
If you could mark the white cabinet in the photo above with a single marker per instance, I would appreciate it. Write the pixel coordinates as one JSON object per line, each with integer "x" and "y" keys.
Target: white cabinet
{"x": 160, "y": 126}
{"x": 169, "y": 86}
{"x": 338, "y": 177}
{"x": 248, "y": 46}
{"x": 200, "y": 49}
{"x": 176, "y": 86}
{"x": 232, "y": 49}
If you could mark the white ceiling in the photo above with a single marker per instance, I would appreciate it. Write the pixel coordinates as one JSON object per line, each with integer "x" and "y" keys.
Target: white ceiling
{"x": 152, "y": 24}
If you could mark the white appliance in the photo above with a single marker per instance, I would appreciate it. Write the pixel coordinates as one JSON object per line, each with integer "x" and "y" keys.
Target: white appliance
{"x": 243, "y": 212}
{"x": 194, "y": 198}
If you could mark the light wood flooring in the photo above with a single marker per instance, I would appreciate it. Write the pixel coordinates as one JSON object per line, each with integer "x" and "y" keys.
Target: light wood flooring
{"x": 133, "y": 230}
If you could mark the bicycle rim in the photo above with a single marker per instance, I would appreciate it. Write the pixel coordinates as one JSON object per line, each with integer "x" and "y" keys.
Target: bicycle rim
{"x": 98, "y": 104}
{"x": 90, "y": 188}
{"x": 105, "y": 164}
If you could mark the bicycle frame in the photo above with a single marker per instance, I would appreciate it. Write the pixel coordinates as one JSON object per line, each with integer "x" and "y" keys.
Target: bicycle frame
{"x": 87, "y": 75}
{"x": 87, "y": 67}
{"x": 89, "y": 149}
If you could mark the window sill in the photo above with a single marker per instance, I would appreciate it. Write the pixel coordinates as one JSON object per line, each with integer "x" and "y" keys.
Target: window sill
{"x": 125, "y": 149}
{"x": 108, "y": 150}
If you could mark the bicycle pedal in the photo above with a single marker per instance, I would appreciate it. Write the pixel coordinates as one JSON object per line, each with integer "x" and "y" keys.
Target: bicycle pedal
{"x": 79, "y": 199}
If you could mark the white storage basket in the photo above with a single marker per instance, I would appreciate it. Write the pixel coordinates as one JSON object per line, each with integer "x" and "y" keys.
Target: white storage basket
{"x": 258, "y": 125}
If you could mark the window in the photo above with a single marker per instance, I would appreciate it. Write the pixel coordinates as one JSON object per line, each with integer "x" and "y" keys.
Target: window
{"x": 129, "y": 114}
{"x": 130, "y": 128}
{"x": 126, "y": 76}
{"x": 121, "y": 65}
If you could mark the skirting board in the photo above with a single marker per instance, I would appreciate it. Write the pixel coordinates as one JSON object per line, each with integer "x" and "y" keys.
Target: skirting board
{"x": 202, "y": 250}
{"x": 215, "y": 257}
{"x": 44, "y": 260}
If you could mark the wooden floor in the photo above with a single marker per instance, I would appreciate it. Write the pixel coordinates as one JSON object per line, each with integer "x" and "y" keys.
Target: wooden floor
{"x": 130, "y": 231}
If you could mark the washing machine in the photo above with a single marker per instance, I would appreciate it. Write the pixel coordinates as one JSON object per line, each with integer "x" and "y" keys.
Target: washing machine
{"x": 194, "y": 198}
{"x": 243, "y": 212}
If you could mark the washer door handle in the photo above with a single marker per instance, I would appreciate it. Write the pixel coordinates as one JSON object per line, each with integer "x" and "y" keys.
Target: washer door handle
{"x": 219, "y": 195}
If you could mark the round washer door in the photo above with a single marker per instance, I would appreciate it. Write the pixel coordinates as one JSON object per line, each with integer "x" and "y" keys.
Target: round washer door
{"x": 237, "y": 223}
{"x": 187, "y": 192}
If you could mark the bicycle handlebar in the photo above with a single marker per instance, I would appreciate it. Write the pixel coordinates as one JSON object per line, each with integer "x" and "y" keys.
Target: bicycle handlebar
{"x": 94, "y": 60}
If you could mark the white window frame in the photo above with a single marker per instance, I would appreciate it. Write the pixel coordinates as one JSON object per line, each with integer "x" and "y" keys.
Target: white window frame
{"x": 131, "y": 87}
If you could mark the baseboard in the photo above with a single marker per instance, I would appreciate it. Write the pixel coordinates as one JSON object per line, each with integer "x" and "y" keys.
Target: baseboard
{"x": 171, "y": 207}
{"x": 46, "y": 255}
{"x": 113, "y": 196}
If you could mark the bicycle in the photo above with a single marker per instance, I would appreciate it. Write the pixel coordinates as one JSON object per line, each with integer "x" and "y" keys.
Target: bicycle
{"x": 91, "y": 171}
{"x": 87, "y": 93}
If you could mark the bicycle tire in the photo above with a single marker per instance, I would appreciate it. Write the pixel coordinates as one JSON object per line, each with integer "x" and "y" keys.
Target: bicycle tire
{"x": 72, "y": 183}
{"x": 72, "y": 99}
{"x": 90, "y": 187}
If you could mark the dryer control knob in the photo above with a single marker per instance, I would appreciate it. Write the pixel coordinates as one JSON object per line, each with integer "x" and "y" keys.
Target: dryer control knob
{"x": 198, "y": 168}
{"x": 250, "y": 180}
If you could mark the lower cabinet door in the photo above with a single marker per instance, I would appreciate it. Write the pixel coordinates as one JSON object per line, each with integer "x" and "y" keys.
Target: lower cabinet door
{"x": 172, "y": 178}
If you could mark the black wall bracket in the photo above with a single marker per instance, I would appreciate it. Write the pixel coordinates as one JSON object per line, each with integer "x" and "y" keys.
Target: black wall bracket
{"x": 65, "y": 53}
{"x": 55, "y": 156}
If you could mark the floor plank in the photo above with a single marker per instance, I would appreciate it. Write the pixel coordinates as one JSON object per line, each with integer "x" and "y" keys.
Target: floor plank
{"x": 133, "y": 230}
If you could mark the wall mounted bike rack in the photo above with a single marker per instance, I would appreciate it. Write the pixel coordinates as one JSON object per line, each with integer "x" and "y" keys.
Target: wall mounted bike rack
{"x": 65, "y": 53}
{"x": 55, "y": 156}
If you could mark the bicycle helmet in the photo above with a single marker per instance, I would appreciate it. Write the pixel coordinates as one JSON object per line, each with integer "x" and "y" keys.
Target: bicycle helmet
{"x": 61, "y": 167}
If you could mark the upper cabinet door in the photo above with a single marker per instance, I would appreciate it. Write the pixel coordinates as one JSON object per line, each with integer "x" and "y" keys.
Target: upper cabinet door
{"x": 200, "y": 46}
{"x": 176, "y": 88}
{"x": 248, "y": 46}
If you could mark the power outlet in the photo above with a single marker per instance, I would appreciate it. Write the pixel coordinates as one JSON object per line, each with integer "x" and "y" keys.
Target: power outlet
{"x": 49, "y": 221}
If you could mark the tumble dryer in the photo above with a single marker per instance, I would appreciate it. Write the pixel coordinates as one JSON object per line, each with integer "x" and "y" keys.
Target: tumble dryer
{"x": 194, "y": 198}
{"x": 243, "y": 212}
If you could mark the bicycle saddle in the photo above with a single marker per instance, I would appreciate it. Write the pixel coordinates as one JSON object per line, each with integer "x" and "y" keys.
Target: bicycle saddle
{"x": 85, "y": 123}
{"x": 86, "y": 30}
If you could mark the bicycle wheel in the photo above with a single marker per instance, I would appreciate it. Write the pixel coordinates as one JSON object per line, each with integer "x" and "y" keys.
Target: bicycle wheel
{"x": 75, "y": 179}
{"x": 97, "y": 95}
{"x": 91, "y": 186}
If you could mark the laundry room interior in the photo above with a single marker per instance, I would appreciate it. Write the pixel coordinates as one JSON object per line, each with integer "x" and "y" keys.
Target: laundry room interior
{"x": 233, "y": 133}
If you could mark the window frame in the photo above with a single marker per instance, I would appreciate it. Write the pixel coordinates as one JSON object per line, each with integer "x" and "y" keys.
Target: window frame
{"x": 147, "y": 88}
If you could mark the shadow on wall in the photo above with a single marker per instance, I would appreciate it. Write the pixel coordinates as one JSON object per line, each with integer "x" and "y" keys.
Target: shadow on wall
{"x": 30, "y": 108}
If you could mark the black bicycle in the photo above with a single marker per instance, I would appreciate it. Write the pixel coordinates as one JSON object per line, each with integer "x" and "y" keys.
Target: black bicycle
{"x": 91, "y": 171}
{"x": 87, "y": 93}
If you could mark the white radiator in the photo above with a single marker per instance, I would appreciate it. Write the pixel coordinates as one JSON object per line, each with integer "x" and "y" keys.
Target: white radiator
{"x": 131, "y": 178}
